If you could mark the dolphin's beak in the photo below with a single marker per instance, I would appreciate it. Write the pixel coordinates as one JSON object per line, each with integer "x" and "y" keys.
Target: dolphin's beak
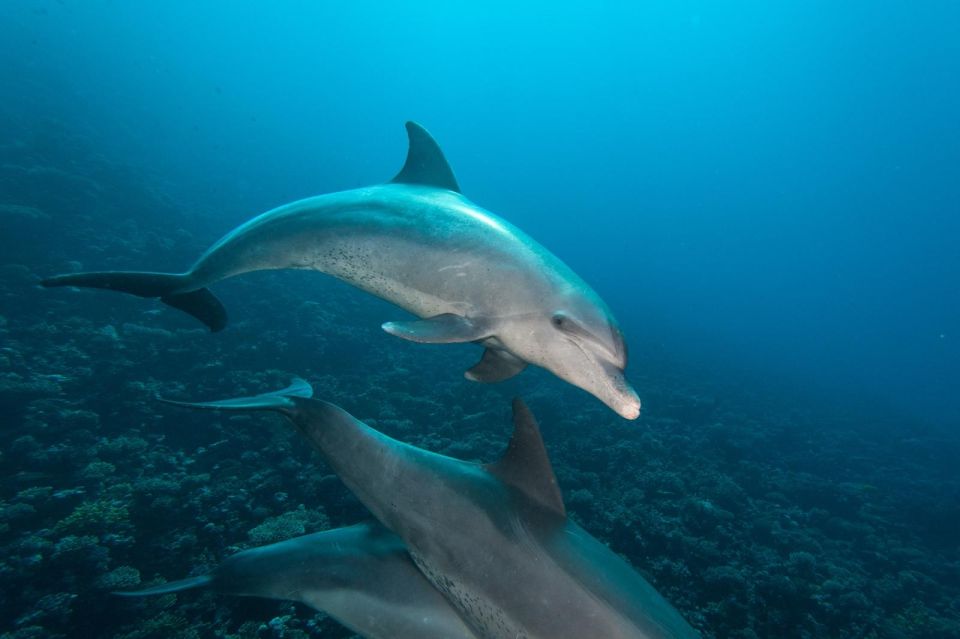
{"x": 601, "y": 378}
{"x": 630, "y": 410}
{"x": 619, "y": 394}
{"x": 627, "y": 406}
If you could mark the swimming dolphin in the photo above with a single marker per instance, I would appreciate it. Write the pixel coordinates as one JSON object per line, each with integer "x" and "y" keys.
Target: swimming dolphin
{"x": 361, "y": 576}
{"x": 495, "y": 540}
{"x": 417, "y": 242}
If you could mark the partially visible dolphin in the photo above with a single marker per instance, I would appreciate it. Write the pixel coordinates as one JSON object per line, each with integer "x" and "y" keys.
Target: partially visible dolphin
{"x": 417, "y": 242}
{"x": 495, "y": 540}
{"x": 361, "y": 576}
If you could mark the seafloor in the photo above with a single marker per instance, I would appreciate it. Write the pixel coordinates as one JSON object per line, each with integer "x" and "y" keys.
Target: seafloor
{"x": 756, "y": 515}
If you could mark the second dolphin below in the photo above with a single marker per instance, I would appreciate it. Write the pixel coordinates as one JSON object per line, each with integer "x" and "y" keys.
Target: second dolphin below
{"x": 494, "y": 540}
{"x": 416, "y": 241}
{"x": 360, "y": 575}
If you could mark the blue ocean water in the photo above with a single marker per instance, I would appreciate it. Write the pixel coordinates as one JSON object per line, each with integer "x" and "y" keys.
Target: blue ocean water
{"x": 766, "y": 194}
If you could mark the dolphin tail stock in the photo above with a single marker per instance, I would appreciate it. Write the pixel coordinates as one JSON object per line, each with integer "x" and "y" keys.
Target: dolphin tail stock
{"x": 277, "y": 401}
{"x": 172, "y": 586}
{"x": 313, "y": 418}
{"x": 200, "y": 303}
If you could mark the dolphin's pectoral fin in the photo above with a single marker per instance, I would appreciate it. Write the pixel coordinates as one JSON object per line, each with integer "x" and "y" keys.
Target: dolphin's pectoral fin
{"x": 172, "y": 586}
{"x": 495, "y": 366}
{"x": 425, "y": 163}
{"x": 439, "y": 329}
{"x": 526, "y": 465}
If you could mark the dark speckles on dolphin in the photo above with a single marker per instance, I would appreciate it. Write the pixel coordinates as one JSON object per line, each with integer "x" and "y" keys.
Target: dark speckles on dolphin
{"x": 467, "y": 274}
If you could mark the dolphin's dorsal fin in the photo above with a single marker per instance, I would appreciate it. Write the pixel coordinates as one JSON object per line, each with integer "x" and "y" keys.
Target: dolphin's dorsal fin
{"x": 425, "y": 163}
{"x": 526, "y": 465}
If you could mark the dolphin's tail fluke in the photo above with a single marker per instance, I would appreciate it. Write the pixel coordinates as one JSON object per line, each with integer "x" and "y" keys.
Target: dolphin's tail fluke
{"x": 201, "y": 303}
{"x": 280, "y": 400}
{"x": 173, "y": 586}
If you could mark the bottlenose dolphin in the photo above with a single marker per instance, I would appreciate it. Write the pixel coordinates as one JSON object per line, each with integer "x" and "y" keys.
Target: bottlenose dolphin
{"x": 361, "y": 576}
{"x": 417, "y": 242}
{"x": 495, "y": 540}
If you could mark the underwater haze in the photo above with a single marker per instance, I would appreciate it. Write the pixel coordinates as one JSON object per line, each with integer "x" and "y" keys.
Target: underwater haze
{"x": 767, "y": 195}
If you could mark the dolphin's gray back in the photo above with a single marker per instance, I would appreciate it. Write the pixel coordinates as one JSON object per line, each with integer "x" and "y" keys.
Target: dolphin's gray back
{"x": 428, "y": 250}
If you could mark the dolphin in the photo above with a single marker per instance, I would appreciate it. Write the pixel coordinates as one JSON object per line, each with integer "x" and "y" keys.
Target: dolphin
{"x": 494, "y": 539}
{"x": 361, "y": 576}
{"x": 416, "y": 241}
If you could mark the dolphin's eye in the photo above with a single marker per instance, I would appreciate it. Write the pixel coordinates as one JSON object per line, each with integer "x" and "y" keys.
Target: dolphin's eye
{"x": 571, "y": 327}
